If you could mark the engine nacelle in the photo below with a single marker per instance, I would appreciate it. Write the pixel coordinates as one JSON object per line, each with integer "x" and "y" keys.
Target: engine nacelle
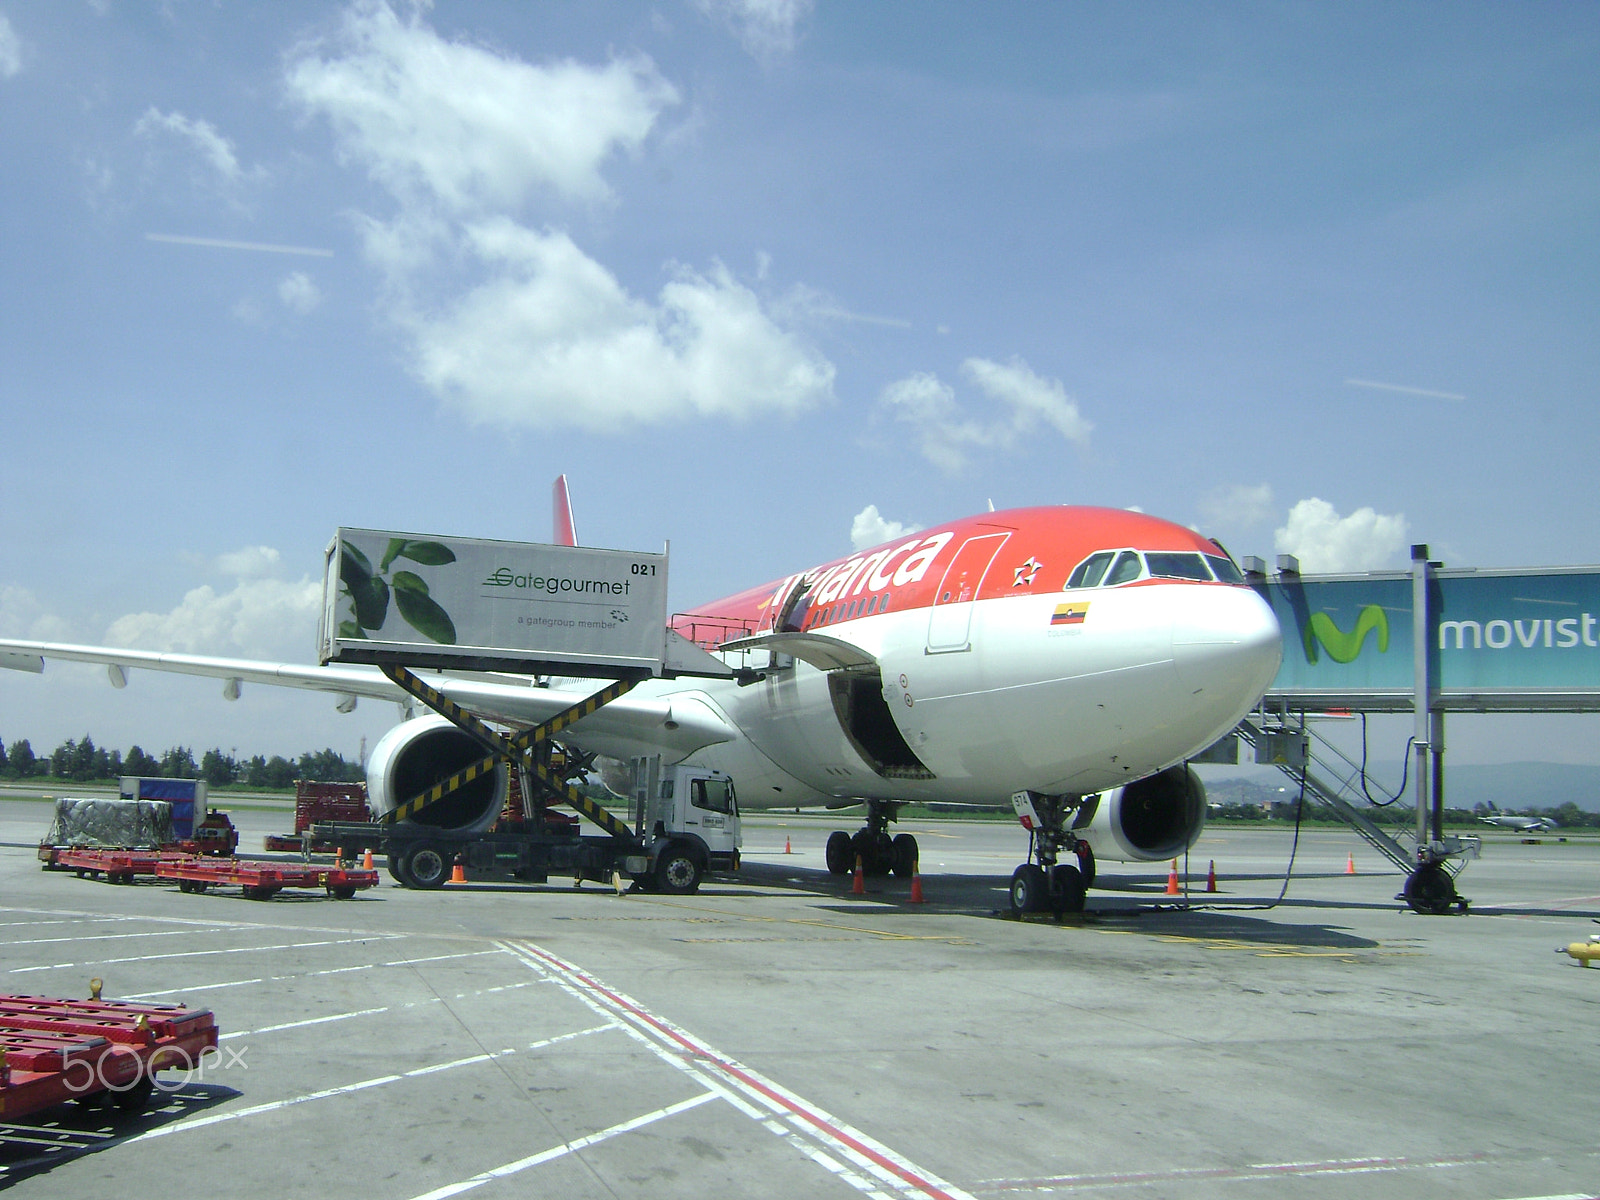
{"x": 417, "y": 754}
{"x": 1158, "y": 817}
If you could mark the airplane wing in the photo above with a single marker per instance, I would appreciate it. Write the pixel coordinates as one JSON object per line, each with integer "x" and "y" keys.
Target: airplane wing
{"x": 674, "y": 726}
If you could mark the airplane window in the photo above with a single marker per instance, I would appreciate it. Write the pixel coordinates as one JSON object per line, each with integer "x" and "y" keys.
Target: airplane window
{"x": 851, "y": 614}
{"x": 1164, "y": 565}
{"x": 1127, "y": 567}
{"x": 1088, "y": 572}
{"x": 884, "y": 607}
{"x": 1224, "y": 569}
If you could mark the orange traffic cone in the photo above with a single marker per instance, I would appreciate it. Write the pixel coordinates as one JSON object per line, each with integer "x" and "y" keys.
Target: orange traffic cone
{"x": 1211, "y": 877}
{"x": 787, "y": 849}
{"x": 458, "y": 873}
{"x": 916, "y": 887}
{"x": 1350, "y": 864}
{"x": 366, "y": 860}
{"x": 859, "y": 886}
{"x": 1172, "y": 879}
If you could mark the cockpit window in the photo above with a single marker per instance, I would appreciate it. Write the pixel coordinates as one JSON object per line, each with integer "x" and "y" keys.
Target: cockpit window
{"x": 1169, "y": 565}
{"x": 1128, "y": 567}
{"x": 1088, "y": 572}
{"x": 1224, "y": 569}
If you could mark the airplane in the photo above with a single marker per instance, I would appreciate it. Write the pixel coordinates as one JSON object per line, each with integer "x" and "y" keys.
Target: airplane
{"x": 1063, "y": 661}
{"x": 1513, "y": 821}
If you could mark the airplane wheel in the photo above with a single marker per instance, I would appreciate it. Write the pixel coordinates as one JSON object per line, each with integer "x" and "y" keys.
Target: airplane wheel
{"x": 1429, "y": 889}
{"x": 838, "y": 856}
{"x": 1028, "y": 889}
{"x": 1067, "y": 894}
{"x": 903, "y": 854}
{"x": 1086, "y": 864}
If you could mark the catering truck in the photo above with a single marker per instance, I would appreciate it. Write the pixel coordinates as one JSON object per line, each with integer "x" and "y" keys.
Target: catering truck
{"x": 684, "y": 823}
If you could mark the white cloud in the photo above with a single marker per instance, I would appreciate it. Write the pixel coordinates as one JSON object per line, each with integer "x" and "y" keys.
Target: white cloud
{"x": 1032, "y": 397}
{"x": 298, "y": 293}
{"x": 249, "y": 562}
{"x": 516, "y": 325}
{"x": 10, "y": 49}
{"x": 1237, "y": 506}
{"x": 214, "y": 149}
{"x": 1324, "y": 541}
{"x": 870, "y": 528}
{"x": 468, "y": 128}
{"x": 259, "y": 618}
{"x": 948, "y": 434}
{"x": 765, "y": 28}
{"x": 22, "y": 616}
{"x": 553, "y": 337}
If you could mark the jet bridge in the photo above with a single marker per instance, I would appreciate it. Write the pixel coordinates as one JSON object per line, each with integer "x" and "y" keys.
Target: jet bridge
{"x": 1427, "y": 641}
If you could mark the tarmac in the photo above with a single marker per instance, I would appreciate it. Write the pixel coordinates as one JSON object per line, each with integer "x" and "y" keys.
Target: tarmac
{"x": 774, "y": 1036}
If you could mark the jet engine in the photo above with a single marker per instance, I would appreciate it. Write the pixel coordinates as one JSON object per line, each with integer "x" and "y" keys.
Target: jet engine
{"x": 417, "y": 754}
{"x": 1158, "y": 817}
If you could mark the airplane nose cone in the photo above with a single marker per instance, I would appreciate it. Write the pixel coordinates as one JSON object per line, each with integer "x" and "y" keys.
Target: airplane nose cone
{"x": 1226, "y": 644}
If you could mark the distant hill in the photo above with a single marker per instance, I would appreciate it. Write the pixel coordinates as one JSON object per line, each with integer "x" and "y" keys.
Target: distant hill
{"x": 1510, "y": 786}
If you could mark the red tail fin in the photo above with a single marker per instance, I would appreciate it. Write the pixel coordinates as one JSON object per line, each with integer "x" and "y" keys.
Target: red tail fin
{"x": 562, "y": 531}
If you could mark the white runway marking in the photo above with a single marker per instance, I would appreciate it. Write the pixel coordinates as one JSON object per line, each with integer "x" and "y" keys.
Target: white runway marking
{"x": 368, "y": 1012}
{"x": 211, "y": 987}
{"x": 805, "y": 1120}
{"x": 106, "y": 937}
{"x": 102, "y": 962}
{"x": 363, "y": 1085}
{"x": 534, "y": 1160}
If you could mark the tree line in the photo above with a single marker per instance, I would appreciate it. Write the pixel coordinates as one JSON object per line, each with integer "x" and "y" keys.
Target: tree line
{"x": 84, "y": 762}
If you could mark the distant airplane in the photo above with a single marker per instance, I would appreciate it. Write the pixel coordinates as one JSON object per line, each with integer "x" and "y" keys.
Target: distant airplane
{"x": 1062, "y": 661}
{"x": 1513, "y": 821}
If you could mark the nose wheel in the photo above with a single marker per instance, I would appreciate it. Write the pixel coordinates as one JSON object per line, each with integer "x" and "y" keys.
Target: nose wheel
{"x": 1044, "y": 883}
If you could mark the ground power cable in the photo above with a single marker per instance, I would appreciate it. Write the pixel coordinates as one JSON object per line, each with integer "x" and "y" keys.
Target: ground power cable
{"x": 1288, "y": 870}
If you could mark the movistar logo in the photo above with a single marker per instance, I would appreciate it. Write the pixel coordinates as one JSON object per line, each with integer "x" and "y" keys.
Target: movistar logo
{"x": 1345, "y": 647}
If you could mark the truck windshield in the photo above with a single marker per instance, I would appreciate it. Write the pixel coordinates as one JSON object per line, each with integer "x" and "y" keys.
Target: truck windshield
{"x": 713, "y": 794}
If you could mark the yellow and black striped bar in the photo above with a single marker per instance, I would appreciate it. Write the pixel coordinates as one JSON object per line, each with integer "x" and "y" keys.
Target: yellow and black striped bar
{"x": 439, "y": 791}
{"x": 576, "y": 799}
{"x": 502, "y": 750}
{"x": 446, "y": 708}
{"x": 547, "y": 729}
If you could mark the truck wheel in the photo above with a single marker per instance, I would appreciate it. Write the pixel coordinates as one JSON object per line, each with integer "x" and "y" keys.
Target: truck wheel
{"x": 427, "y": 866}
{"x": 396, "y": 871}
{"x": 678, "y": 871}
{"x": 839, "y": 858}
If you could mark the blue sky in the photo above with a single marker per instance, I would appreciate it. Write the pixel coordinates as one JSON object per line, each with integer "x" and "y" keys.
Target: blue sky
{"x": 1313, "y": 278}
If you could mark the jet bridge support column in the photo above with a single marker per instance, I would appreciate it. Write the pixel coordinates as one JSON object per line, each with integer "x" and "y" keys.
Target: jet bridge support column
{"x": 1430, "y": 888}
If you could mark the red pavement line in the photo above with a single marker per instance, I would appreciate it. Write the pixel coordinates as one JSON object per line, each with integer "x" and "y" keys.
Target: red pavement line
{"x": 707, "y": 1055}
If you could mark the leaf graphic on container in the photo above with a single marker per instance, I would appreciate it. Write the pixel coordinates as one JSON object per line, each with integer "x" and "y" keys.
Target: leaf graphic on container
{"x": 349, "y": 629}
{"x": 420, "y": 610}
{"x": 393, "y": 552}
{"x": 354, "y": 566}
{"x": 371, "y": 598}
{"x": 429, "y": 554}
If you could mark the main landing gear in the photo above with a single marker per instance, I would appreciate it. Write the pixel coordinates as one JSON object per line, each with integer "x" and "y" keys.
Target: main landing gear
{"x": 1043, "y": 883}
{"x": 879, "y": 853}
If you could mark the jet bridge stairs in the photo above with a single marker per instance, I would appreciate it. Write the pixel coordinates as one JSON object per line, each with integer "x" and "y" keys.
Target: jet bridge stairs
{"x": 1335, "y": 780}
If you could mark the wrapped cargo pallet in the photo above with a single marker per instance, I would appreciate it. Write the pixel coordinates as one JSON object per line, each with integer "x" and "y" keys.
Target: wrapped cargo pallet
{"x": 129, "y": 824}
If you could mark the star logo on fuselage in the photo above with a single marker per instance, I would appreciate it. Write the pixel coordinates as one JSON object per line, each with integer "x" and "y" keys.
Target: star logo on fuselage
{"x": 1026, "y": 572}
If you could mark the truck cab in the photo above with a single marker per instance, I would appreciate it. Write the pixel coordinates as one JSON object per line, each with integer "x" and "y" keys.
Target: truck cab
{"x": 691, "y": 808}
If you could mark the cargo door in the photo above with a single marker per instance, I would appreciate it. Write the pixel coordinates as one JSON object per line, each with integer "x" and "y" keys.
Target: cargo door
{"x": 950, "y": 621}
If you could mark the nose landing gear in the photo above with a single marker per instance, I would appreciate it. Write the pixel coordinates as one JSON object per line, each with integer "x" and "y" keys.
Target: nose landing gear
{"x": 1045, "y": 884}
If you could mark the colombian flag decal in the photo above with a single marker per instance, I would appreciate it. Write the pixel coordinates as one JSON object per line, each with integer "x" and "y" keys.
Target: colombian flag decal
{"x": 1069, "y": 614}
